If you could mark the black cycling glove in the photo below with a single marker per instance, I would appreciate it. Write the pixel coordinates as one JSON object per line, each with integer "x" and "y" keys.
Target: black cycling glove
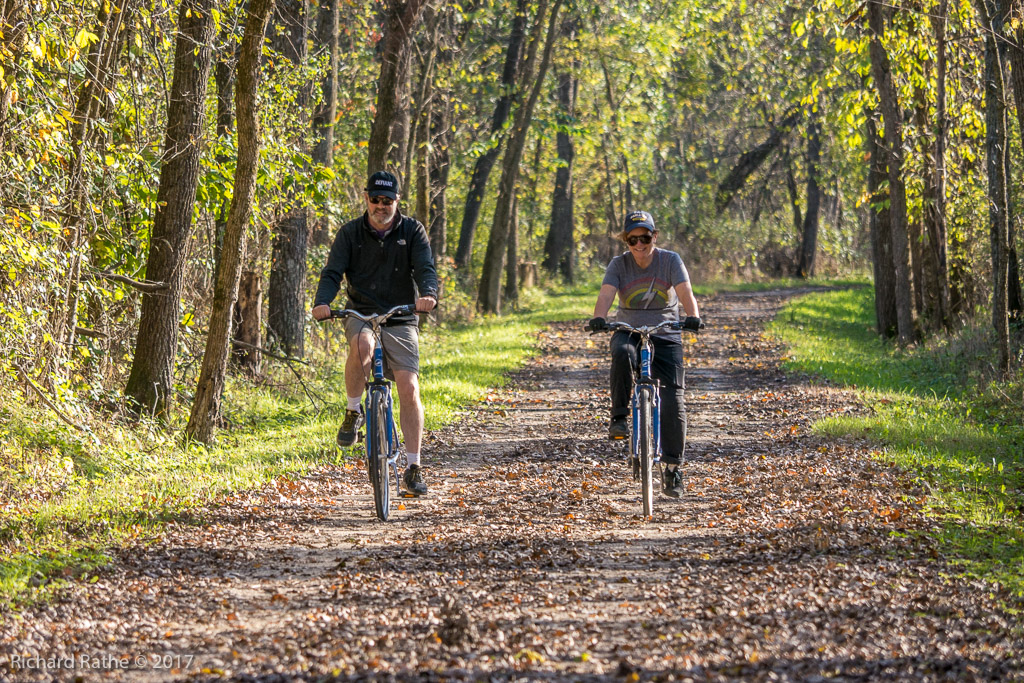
{"x": 692, "y": 323}
{"x": 597, "y": 325}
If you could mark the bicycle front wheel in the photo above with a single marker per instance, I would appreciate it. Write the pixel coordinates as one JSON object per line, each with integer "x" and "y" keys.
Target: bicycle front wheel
{"x": 377, "y": 453}
{"x": 645, "y": 431}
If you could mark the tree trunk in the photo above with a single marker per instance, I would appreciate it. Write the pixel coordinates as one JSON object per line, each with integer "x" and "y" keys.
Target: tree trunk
{"x": 101, "y": 65}
{"x": 224, "y": 78}
{"x": 152, "y": 374}
{"x": 926, "y": 269}
{"x": 440, "y": 165}
{"x": 512, "y": 258}
{"x": 489, "y": 298}
{"x": 881, "y": 70}
{"x": 485, "y": 162}
{"x": 794, "y": 194}
{"x": 935, "y": 185}
{"x": 881, "y": 240}
{"x": 403, "y": 132}
{"x": 993, "y": 19}
{"x": 325, "y": 112}
{"x": 401, "y": 19}
{"x": 286, "y": 309}
{"x": 1015, "y": 301}
{"x": 206, "y": 408}
{"x": 248, "y": 321}
{"x": 559, "y": 248}
{"x": 809, "y": 242}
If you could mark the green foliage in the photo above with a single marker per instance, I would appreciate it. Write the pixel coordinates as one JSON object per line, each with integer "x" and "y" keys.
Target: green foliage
{"x": 931, "y": 414}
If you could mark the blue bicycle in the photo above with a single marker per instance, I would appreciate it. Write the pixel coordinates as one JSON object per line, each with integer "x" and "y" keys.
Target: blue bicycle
{"x": 383, "y": 449}
{"x": 645, "y": 445}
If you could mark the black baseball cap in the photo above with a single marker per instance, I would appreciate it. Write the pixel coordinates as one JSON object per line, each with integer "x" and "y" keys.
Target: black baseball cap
{"x": 382, "y": 184}
{"x": 639, "y": 219}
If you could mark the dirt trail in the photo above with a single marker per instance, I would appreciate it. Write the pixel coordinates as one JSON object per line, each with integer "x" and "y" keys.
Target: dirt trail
{"x": 790, "y": 557}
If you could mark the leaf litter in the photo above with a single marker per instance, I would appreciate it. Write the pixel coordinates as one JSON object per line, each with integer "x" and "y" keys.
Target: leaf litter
{"x": 790, "y": 557}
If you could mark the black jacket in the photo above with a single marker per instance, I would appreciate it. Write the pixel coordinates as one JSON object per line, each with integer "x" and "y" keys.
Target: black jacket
{"x": 379, "y": 273}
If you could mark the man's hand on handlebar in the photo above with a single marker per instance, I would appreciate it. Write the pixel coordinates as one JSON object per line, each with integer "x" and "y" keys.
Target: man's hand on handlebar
{"x": 321, "y": 312}
{"x": 425, "y": 304}
{"x": 597, "y": 325}
{"x": 692, "y": 323}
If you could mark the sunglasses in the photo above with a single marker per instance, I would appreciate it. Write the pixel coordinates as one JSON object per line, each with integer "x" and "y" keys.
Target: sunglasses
{"x": 633, "y": 240}
{"x": 386, "y": 201}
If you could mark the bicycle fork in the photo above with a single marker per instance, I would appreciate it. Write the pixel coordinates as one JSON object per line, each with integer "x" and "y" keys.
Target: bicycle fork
{"x": 647, "y": 383}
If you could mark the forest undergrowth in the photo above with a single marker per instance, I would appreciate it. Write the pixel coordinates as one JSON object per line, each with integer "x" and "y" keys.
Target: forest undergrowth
{"x": 935, "y": 409}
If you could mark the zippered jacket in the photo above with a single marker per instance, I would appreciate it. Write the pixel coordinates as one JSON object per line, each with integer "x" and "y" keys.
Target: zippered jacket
{"x": 380, "y": 273}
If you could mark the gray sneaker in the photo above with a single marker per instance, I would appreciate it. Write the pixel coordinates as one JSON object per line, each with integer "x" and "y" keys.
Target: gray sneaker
{"x": 618, "y": 428}
{"x": 412, "y": 481}
{"x": 672, "y": 482}
{"x": 350, "y": 428}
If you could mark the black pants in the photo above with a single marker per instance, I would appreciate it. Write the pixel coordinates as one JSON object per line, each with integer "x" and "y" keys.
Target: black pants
{"x": 667, "y": 368}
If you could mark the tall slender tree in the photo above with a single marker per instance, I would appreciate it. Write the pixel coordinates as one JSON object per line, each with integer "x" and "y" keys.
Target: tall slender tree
{"x": 326, "y": 111}
{"x": 993, "y": 16}
{"x": 485, "y": 162}
{"x": 286, "y": 309}
{"x": 892, "y": 116}
{"x": 879, "y": 228}
{"x": 559, "y": 247}
{"x": 489, "y": 297}
{"x": 809, "y": 237}
{"x": 206, "y": 408}
{"x": 934, "y": 193}
{"x": 400, "y": 21}
{"x": 152, "y": 374}
{"x": 111, "y": 30}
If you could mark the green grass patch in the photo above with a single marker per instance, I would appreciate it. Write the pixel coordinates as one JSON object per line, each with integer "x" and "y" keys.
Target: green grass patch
{"x": 67, "y": 497}
{"x": 932, "y": 412}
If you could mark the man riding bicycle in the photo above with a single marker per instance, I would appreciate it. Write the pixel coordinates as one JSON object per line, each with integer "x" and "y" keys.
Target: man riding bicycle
{"x": 651, "y": 284}
{"x": 386, "y": 261}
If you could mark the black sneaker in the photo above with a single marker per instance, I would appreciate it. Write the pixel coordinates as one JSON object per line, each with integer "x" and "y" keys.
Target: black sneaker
{"x": 672, "y": 482}
{"x": 618, "y": 428}
{"x": 350, "y": 428}
{"x": 412, "y": 481}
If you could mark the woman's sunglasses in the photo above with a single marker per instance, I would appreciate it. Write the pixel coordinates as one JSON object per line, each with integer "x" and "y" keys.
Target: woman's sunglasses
{"x": 386, "y": 201}
{"x": 632, "y": 240}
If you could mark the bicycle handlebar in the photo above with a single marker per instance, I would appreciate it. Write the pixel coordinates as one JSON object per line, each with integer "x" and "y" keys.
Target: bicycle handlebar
{"x": 647, "y": 330}
{"x": 370, "y": 319}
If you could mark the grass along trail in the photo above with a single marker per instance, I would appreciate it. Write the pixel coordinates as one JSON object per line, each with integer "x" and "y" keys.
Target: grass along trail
{"x": 790, "y": 557}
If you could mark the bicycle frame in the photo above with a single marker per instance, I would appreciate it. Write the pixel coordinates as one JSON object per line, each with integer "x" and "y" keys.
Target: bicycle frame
{"x": 645, "y": 382}
{"x": 379, "y": 391}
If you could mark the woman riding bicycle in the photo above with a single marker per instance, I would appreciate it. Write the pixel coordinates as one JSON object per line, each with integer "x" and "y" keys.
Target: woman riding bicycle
{"x": 651, "y": 284}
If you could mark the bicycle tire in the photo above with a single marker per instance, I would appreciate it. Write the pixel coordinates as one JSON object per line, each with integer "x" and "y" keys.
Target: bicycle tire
{"x": 377, "y": 454}
{"x": 646, "y": 450}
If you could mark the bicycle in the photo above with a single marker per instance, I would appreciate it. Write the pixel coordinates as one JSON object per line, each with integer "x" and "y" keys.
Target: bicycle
{"x": 382, "y": 447}
{"x": 645, "y": 444}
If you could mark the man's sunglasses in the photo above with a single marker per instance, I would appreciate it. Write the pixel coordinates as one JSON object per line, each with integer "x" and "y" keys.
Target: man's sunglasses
{"x": 386, "y": 201}
{"x": 632, "y": 240}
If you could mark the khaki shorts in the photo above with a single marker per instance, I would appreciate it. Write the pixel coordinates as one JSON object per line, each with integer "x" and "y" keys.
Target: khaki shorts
{"x": 401, "y": 345}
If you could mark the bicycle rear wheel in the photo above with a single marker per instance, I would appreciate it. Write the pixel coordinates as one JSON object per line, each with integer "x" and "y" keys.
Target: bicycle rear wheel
{"x": 377, "y": 453}
{"x": 646, "y": 450}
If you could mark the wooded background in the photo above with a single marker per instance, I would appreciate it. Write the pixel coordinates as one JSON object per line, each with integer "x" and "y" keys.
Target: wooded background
{"x": 174, "y": 174}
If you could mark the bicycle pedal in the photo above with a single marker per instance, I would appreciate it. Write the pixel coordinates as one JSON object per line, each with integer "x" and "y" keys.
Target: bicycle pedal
{"x": 617, "y": 438}
{"x": 406, "y": 494}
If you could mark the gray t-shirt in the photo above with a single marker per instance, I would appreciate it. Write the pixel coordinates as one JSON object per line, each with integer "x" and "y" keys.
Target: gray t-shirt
{"x": 647, "y": 296}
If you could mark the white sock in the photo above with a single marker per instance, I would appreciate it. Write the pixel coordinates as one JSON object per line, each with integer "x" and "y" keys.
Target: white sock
{"x": 412, "y": 459}
{"x": 353, "y": 403}
{"x": 671, "y": 468}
